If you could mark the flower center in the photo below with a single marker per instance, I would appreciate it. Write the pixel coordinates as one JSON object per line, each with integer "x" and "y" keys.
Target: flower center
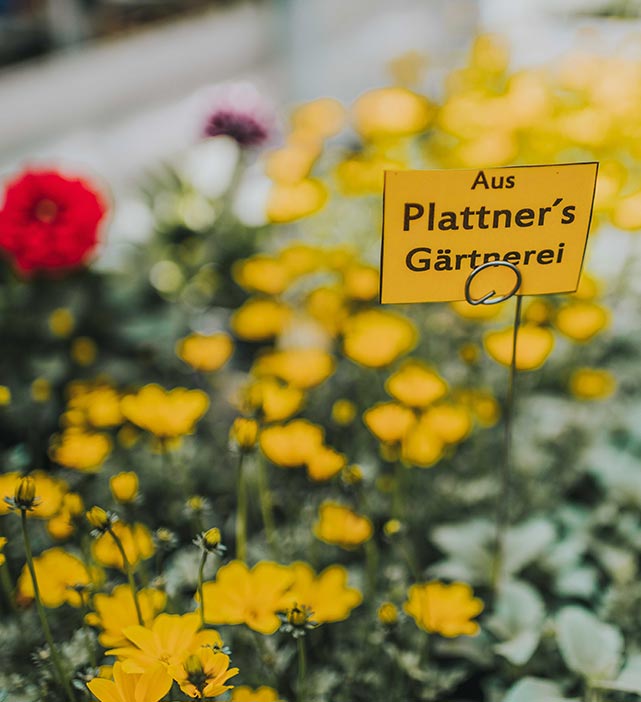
{"x": 45, "y": 210}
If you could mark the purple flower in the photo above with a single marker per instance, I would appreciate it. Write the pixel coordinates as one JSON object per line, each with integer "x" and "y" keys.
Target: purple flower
{"x": 242, "y": 113}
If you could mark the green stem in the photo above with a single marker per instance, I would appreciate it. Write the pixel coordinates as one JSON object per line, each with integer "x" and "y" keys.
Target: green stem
{"x": 55, "y": 656}
{"x": 7, "y": 586}
{"x": 87, "y": 631}
{"x": 371, "y": 555}
{"x": 130, "y": 575}
{"x": 397, "y": 494}
{"x": 267, "y": 508}
{"x": 201, "y": 569}
{"x": 302, "y": 669}
{"x": 502, "y": 511}
{"x": 241, "y": 511}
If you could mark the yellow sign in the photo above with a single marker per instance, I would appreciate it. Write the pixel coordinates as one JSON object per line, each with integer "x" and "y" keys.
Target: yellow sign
{"x": 438, "y": 226}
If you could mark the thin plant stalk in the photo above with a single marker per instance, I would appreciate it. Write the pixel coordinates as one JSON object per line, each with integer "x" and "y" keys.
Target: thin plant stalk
{"x": 302, "y": 670}
{"x": 55, "y": 656}
{"x": 241, "y": 510}
{"x": 371, "y": 557}
{"x": 6, "y": 585}
{"x": 397, "y": 494}
{"x": 87, "y": 631}
{"x": 266, "y": 507}
{"x": 130, "y": 574}
{"x": 502, "y": 511}
{"x": 201, "y": 570}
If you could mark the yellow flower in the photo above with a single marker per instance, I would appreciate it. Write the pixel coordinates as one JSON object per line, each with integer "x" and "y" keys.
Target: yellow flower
{"x": 57, "y": 573}
{"x": 387, "y": 613}
{"x": 360, "y": 282}
{"x": 124, "y": 486}
{"x": 327, "y": 306}
{"x": 375, "y": 338}
{"x": 483, "y": 406}
{"x": 41, "y": 390}
{"x": 260, "y": 320}
{"x": 81, "y": 450}
{"x": 203, "y": 352}
{"x": 476, "y": 312}
{"x": 84, "y": 350}
{"x": 293, "y": 162}
{"x": 363, "y": 173}
{"x": 444, "y": 609}
{"x": 3, "y": 543}
{"x": 167, "y": 641}
{"x": 416, "y": 385}
{"x": 272, "y": 400}
{"x": 326, "y": 594}
{"x": 592, "y": 384}
{"x": 131, "y": 687}
{"x": 302, "y": 368}
{"x": 260, "y": 694}
{"x": 136, "y": 541}
{"x": 244, "y": 432}
{"x": 325, "y": 463}
{"x": 5, "y": 395}
{"x": 289, "y": 202}
{"x": 301, "y": 259}
{"x": 115, "y": 612}
{"x": 262, "y": 274}
{"x": 49, "y": 493}
{"x": 533, "y": 346}
{"x": 422, "y": 446}
{"x": 61, "y": 322}
{"x": 252, "y": 597}
{"x": 589, "y": 287}
{"x": 324, "y": 117}
{"x": 451, "y": 423}
{"x": 343, "y": 412}
{"x": 204, "y": 673}
{"x": 97, "y": 402}
{"x": 389, "y": 421}
{"x": 165, "y": 413}
{"x": 391, "y": 112}
{"x": 580, "y": 321}
{"x": 293, "y": 444}
{"x": 341, "y": 526}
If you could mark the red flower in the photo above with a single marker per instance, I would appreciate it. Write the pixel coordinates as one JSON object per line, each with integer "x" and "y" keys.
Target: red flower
{"x": 49, "y": 222}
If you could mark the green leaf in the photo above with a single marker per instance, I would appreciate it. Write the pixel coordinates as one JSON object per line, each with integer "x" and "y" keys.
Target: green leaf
{"x": 588, "y": 646}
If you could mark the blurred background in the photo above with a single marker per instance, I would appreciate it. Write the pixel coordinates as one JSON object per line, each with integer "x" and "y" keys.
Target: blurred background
{"x": 116, "y": 86}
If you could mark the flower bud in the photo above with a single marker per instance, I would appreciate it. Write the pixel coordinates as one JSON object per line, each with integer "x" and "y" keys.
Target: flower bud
{"x": 24, "y": 497}
{"x": 124, "y": 486}
{"x": 387, "y": 613}
{"x": 297, "y": 617}
{"x": 244, "y": 432}
{"x": 212, "y": 537}
{"x": 98, "y": 518}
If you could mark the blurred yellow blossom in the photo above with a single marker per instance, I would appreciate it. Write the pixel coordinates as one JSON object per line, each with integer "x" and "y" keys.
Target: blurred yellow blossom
{"x": 533, "y": 346}
{"x": 360, "y": 282}
{"x": 323, "y": 116}
{"x": 40, "y": 390}
{"x": 253, "y": 597}
{"x": 244, "y": 433}
{"x": 115, "y": 612}
{"x": 5, "y": 395}
{"x": 324, "y": 463}
{"x": 84, "y": 350}
{"x": 592, "y": 384}
{"x": 262, "y": 273}
{"x": 389, "y": 421}
{"x": 343, "y": 412}
{"x": 580, "y": 321}
{"x": 444, "y": 609}
{"x": 260, "y": 319}
{"x": 61, "y": 322}
{"x": 327, "y": 306}
{"x": 391, "y": 112}
{"x": 242, "y": 693}
{"x": 387, "y": 613}
{"x": 291, "y": 445}
{"x": 289, "y": 202}
{"x": 302, "y": 368}
{"x": 98, "y": 403}
{"x": 3, "y": 543}
{"x": 80, "y": 450}
{"x": 292, "y": 162}
{"x": 422, "y": 446}
{"x": 135, "y": 539}
{"x": 271, "y": 400}
{"x": 416, "y": 385}
{"x": 300, "y": 258}
{"x": 124, "y": 486}
{"x": 57, "y": 573}
{"x": 341, "y": 526}
{"x": 375, "y": 338}
{"x": 451, "y": 423}
{"x": 165, "y": 413}
{"x": 205, "y": 352}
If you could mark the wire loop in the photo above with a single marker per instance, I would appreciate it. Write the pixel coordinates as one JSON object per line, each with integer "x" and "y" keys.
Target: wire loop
{"x": 488, "y": 299}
